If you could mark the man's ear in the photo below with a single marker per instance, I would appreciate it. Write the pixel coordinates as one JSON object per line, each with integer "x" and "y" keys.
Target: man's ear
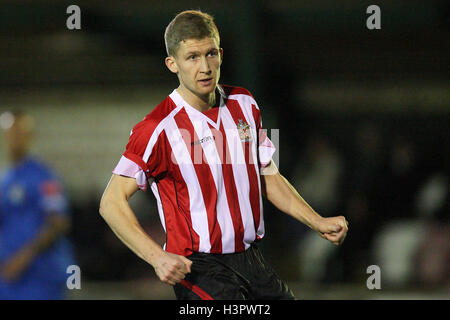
{"x": 221, "y": 55}
{"x": 171, "y": 64}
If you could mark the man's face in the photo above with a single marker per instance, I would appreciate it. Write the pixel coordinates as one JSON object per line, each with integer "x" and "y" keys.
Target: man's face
{"x": 197, "y": 64}
{"x": 18, "y": 136}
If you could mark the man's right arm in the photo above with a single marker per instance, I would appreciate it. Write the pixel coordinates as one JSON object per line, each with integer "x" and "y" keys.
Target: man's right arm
{"x": 116, "y": 211}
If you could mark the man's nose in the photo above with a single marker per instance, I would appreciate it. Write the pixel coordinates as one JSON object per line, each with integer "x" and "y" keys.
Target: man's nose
{"x": 204, "y": 66}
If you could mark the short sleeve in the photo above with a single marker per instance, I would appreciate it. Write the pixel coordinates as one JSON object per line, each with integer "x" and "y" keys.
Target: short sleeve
{"x": 266, "y": 148}
{"x": 142, "y": 158}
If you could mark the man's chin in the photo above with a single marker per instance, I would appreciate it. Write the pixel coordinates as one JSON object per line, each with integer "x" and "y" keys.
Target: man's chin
{"x": 206, "y": 91}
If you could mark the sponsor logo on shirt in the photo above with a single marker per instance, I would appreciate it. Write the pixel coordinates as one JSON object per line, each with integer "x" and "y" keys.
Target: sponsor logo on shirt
{"x": 205, "y": 139}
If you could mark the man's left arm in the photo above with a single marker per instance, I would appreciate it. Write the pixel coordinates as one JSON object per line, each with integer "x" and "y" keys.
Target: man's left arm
{"x": 283, "y": 196}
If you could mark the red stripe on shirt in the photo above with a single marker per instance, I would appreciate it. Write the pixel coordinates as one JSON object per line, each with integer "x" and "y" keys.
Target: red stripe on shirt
{"x": 204, "y": 176}
{"x": 181, "y": 237}
{"x": 237, "y": 114}
{"x": 230, "y": 187}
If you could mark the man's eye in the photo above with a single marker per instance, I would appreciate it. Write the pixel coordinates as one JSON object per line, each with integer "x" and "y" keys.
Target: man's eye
{"x": 192, "y": 57}
{"x": 213, "y": 53}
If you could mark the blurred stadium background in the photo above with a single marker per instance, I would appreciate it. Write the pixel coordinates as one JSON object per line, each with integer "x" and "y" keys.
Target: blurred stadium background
{"x": 363, "y": 118}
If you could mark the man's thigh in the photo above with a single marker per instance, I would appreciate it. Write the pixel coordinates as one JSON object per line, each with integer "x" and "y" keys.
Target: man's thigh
{"x": 241, "y": 276}
{"x": 265, "y": 282}
{"x": 212, "y": 278}
{"x": 211, "y": 286}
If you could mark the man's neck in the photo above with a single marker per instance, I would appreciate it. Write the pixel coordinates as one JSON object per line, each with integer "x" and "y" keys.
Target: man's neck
{"x": 18, "y": 158}
{"x": 200, "y": 103}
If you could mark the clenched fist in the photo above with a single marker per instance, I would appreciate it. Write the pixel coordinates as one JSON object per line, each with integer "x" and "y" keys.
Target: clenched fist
{"x": 172, "y": 268}
{"x": 333, "y": 229}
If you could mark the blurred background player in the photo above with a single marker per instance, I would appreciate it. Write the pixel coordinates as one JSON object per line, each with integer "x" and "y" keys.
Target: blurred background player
{"x": 34, "y": 253}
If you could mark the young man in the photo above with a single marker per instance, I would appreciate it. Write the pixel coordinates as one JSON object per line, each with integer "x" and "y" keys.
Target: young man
{"x": 34, "y": 253}
{"x": 204, "y": 156}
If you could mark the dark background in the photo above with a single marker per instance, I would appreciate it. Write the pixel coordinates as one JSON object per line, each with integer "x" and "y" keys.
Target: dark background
{"x": 363, "y": 119}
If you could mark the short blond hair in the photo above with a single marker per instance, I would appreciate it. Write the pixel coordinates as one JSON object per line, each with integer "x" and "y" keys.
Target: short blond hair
{"x": 190, "y": 24}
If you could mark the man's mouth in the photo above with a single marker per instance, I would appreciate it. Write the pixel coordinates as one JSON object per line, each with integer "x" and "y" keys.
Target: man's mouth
{"x": 206, "y": 82}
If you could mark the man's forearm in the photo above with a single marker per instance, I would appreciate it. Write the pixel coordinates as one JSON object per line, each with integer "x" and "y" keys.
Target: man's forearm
{"x": 284, "y": 197}
{"x": 121, "y": 219}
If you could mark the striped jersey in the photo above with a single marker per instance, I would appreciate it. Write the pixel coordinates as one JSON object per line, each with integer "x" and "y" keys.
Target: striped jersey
{"x": 204, "y": 170}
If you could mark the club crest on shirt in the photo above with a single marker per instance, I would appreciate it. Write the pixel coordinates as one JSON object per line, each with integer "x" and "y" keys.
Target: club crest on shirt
{"x": 244, "y": 131}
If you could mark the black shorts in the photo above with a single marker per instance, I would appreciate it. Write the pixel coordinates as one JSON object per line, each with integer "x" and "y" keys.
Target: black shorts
{"x": 235, "y": 276}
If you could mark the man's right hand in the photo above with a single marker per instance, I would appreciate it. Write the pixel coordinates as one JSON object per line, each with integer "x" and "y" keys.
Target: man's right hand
{"x": 172, "y": 268}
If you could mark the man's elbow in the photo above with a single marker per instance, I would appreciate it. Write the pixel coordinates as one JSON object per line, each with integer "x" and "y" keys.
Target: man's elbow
{"x": 102, "y": 209}
{"x": 104, "y": 206}
{"x": 108, "y": 203}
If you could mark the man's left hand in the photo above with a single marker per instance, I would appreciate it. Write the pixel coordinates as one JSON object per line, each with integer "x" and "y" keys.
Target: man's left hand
{"x": 333, "y": 229}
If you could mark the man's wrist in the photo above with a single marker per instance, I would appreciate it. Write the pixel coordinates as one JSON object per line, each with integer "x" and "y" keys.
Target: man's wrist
{"x": 315, "y": 221}
{"x": 154, "y": 255}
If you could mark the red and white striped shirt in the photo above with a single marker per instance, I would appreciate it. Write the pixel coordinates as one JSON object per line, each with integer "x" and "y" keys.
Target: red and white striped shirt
{"x": 204, "y": 170}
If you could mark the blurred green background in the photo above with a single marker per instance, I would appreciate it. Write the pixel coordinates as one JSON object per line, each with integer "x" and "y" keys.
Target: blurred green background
{"x": 363, "y": 118}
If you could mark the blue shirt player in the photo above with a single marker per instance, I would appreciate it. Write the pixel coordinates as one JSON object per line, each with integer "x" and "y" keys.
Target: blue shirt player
{"x": 34, "y": 253}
